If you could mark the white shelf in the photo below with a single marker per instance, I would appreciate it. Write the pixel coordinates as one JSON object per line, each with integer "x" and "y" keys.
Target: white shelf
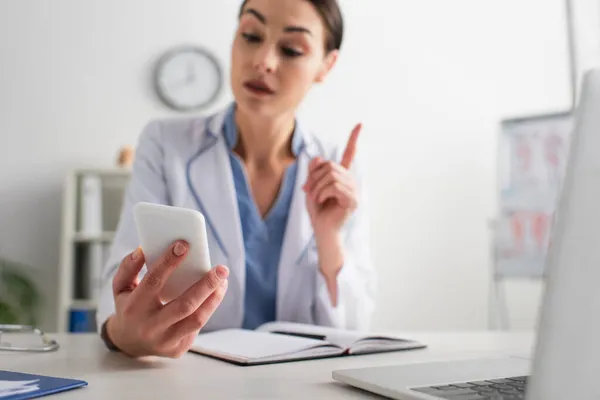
{"x": 104, "y": 237}
{"x": 83, "y": 254}
{"x": 107, "y": 172}
{"x": 83, "y": 304}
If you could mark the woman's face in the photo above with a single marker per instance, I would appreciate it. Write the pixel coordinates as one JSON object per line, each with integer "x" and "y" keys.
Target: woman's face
{"x": 277, "y": 54}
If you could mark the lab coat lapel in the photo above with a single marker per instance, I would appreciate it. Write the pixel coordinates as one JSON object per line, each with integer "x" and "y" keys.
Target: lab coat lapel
{"x": 211, "y": 183}
{"x": 298, "y": 236}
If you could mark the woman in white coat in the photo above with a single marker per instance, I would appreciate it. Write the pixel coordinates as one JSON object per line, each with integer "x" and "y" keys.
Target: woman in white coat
{"x": 286, "y": 216}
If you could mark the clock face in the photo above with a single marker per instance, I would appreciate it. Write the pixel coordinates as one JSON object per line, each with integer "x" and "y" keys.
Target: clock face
{"x": 188, "y": 79}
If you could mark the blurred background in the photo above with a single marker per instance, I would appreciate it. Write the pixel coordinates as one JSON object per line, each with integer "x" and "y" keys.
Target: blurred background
{"x": 443, "y": 88}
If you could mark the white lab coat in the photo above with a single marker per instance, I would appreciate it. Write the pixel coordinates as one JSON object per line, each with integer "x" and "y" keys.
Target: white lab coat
{"x": 184, "y": 162}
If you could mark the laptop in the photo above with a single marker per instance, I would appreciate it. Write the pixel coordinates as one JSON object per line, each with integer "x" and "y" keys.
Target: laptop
{"x": 565, "y": 363}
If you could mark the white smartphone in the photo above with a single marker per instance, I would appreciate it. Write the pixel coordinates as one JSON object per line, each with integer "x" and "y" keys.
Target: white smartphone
{"x": 158, "y": 227}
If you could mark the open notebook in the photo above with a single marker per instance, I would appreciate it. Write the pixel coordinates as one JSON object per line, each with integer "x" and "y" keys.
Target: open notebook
{"x": 284, "y": 341}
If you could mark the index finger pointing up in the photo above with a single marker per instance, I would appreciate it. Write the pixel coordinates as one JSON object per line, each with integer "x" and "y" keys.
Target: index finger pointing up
{"x": 351, "y": 147}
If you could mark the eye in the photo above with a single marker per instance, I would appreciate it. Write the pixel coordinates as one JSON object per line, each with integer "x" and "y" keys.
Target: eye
{"x": 289, "y": 52}
{"x": 250, "y": 38}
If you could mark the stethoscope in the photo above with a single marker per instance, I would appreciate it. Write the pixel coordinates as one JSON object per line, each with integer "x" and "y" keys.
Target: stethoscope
{"x": 46, "y": 344}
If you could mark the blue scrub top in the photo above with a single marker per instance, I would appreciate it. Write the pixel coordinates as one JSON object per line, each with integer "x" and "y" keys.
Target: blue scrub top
{"x": 263, "y": 238}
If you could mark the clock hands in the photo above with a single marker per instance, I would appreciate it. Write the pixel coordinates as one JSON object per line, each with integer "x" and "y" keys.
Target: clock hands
{"x": 189, "y": 79}
{"x": 191, "y": 73}
{"x": 182, "y": 81}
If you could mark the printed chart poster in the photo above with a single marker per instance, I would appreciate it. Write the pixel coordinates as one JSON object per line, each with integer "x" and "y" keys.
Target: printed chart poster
{"x": 532, "y": 164}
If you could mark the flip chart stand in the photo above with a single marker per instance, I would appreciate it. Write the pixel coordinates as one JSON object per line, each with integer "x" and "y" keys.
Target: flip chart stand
{"x": 531, "y": 164}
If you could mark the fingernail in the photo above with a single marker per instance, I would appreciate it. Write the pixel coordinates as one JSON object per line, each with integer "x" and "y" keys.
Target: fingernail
{"x": 136, "y": 253}
{"x": 222, "y": 272}
{"x": 179, "y": 249}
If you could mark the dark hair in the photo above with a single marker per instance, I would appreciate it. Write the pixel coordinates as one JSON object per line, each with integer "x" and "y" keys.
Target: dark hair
{"x": 330, "y": 13}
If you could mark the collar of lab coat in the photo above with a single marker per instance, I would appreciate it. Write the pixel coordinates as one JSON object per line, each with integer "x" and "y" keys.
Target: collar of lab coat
{"x": 230, "y": 130}
{"x": 305, "y": 142}
{"x": 211, "y": 182}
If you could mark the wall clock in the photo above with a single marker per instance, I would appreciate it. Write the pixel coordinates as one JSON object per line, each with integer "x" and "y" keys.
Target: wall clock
{"x": 188, "y": 78}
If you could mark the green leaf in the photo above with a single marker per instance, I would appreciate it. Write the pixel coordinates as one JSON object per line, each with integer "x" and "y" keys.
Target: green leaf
{"x": 19, "y": 297}
{"x": 21, "y": 289}
{"x": 7, "y": 314}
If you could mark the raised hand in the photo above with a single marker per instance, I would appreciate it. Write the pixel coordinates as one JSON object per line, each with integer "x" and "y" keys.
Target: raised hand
{"x": 331, "y": 191}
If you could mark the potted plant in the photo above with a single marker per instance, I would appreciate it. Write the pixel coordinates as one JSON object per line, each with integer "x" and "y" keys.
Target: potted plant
{"x": 19, "y": 297}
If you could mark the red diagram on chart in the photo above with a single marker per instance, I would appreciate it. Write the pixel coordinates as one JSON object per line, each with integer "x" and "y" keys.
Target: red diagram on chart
{"x": 539, "y": 160}
{"x": 523, "y": 153}
{"x": 530, "y": 231}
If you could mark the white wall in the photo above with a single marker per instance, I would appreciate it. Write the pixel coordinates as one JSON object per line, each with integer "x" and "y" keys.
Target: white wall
{"x": 446, "y": 72}
{"x": 586, "y": 16}
{"x": 429, "y": 79}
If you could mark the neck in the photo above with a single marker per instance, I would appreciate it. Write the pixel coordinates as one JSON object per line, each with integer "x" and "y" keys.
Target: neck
{"x": 264, "y": 141}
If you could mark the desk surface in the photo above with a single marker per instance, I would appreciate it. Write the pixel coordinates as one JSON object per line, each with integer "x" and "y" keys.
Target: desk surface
{"x": 114, "y": 376}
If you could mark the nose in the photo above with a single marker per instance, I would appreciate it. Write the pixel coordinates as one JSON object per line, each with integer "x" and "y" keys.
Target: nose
{"x": 265, "y": 60}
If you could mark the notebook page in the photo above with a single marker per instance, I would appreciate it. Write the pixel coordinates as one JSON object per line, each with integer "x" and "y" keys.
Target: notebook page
{"x": 9, "y": 385}
{"x": 373, "y": 346}
{"x": 12, "y": 388}
{"x": 341, "y": 338}
{"x": 247, "y": 344}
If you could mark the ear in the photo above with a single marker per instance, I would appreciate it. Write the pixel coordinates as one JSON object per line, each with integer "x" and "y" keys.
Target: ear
{"x": 327, "y": 65}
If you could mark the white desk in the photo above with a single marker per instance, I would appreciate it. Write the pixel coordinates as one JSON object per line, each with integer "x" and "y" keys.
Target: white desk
{"x": 114, "y": 376}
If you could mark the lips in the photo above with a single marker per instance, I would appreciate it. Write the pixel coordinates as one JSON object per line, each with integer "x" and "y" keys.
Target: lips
{"x": 258, "y": 86}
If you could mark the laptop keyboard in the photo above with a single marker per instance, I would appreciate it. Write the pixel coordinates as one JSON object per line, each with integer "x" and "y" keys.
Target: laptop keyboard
{"x": 493, "y": 389}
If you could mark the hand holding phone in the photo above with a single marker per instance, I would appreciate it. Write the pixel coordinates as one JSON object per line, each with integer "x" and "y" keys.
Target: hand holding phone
{"x": 158, "y": 227}
{"x": 141, "y": 324}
